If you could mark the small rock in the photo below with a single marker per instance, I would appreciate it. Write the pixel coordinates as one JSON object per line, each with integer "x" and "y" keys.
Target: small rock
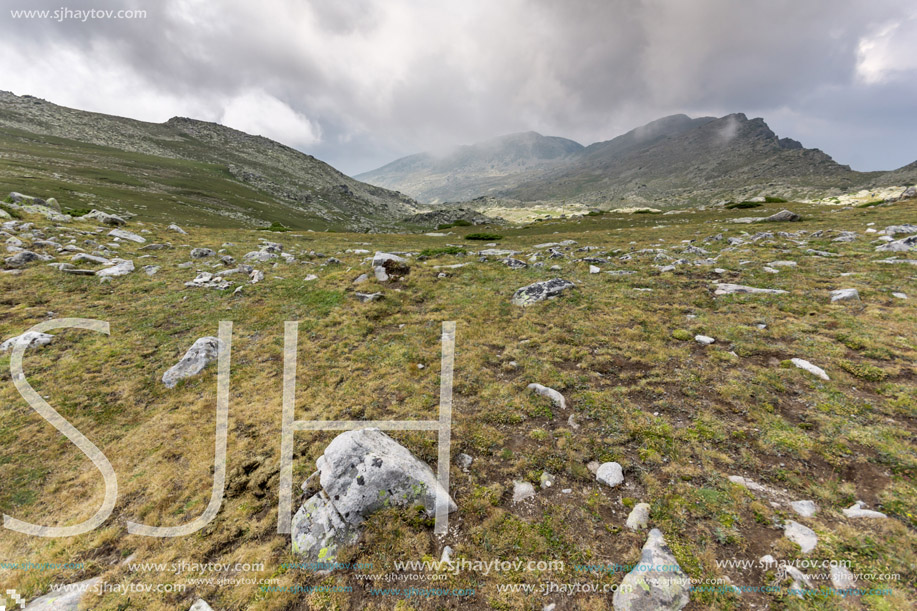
{"x": 32, "y": 339}
{"x": 550, "y": 393}
{"x": 610, "y": 473}
{"x": 201, "y": 253}
{"x": 803, "y": 536}
{"x": 733, "y": 289}
{"x": 842, "y": 578}
{"x": 639, "y": 517}
{"x": 522, "y": 491}
{"x": 200, "y": 605}
{"x": 203, "y": 352}
{"x": 464, "y": 461}
{"x": 177, "y": 229}
{"x": 123, "y": 234}
{"x": 813, "y": 369}
{"x": 367, "y": 297}
{"x": 547, "y": 480}
{"x": 845, "y": 295}
{"x": 806, "y": 509}
{"x": 704, "y": 340}
{"x": 539, "y": 291}
{"x": 121, "y": 267}
{"x": 657, "y": 583}
{"x": 857, "y": 511}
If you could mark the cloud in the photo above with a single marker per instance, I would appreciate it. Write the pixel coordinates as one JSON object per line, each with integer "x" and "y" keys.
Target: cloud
{"x": 256, "y": 112}
{"x": 360, "y": 82}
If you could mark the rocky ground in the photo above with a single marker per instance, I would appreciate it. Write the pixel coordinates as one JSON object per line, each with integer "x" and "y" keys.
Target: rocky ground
{"x": 698, "y": 390}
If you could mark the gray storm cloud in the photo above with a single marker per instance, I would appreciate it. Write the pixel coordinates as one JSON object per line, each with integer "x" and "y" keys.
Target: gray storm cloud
{"x": 358, "y": 83}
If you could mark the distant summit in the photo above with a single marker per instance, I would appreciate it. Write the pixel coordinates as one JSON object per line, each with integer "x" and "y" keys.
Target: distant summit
{"x": 673, "y": 160}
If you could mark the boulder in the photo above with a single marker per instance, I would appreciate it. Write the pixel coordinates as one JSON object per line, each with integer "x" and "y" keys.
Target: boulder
{"x": 782, "y": 216}
{"x": 105, "y": 218}
{"x": 639, "y": 517}
{"x": 813, "y": 369}
{"x": 735, "y": 289}
{"x": 31, "y": 339}
{"x": 23, "y": 258}
{"x": 857, "y": 511}
{"x": 805, "y": 509}
{"x": 610, "y": 473}
{"x": 361, "y": 471}
{"x": 556, "y": 398}
{"x": 367, "y": 297}
{"x": 803, "y": 536}
{"x": 123, "y": 234}
{"x": 177, "y": 229}
{"x": 387, "y": 266}
{"x": 657, "y": 583}
{"x": 203, "y": 352}
{"x": 65, "y": 600}
{"x": 539, "y": 291}
{"x": 522, "y": 491}
{"x": 845, "y": 295}
{"x": 121, "y": 267}
{"x": 201, "y": 253}
{"x": 514, "y": 263}
{"x": 903, "y": 245}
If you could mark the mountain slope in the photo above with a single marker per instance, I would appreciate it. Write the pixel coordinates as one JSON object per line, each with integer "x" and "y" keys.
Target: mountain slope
{"x": 469, "y": 171}
{"x": 674, "y": 160}
{"x": 193, "y": 169}
{"x": 691, "y": 160}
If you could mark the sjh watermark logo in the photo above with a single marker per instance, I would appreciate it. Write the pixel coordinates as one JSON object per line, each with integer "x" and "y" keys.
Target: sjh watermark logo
{"x": 17, "y": 600}
{"x": 442, "y": 425}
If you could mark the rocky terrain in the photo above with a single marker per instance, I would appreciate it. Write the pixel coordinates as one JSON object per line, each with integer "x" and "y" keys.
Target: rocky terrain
{"x": 672, "y": 162}
{"x": 661, "y": 411}
{"x": 182, "y": 169}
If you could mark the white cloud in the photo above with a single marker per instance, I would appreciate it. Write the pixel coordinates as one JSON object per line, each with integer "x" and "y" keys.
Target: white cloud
{"x": 259, "y": 113}
{"x": 888, "y": 53}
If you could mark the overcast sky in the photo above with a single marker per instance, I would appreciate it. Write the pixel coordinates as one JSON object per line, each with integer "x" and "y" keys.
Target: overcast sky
{"x": 359, "y": 83}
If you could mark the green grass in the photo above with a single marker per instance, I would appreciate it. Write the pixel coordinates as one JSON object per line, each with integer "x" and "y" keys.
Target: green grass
{"x": 485, "y": 237}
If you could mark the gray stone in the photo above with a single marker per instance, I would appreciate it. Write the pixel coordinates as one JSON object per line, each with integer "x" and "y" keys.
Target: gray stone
{"x": 23, "y": 258}
{"x": 367, "y": 297}
{"x": 201, "y": 253}
{"x": 737, "y": 289}
{"x": 813, "y": 369}
{"x": 550, "y": 393}
{"x": 200, "y": 605}
{"x": 610, "y": 473}
{"x": 639, "y": 517}
{"x": 522, "y": 491}
{"x": 842, "y": 578}
{"x": 361, "y": 471}
{"x": 514, "y": 263}
{"x": 121, "y": 267}
{"x": 803, "y": 536}
{"x": 150, "y": 269}
{"x": 105, "y": 218}
{"x": 806, "y": 509}
{"x": 782, "y": 216}
{"x": 68, "y": 600}
{"x": 208, "y": 281}
{"x": 845, "y": 295}
{"x": 177, "y": 229}
{"x": 857, "y": 511}
{"x": 704, "y": 340}
{"x": 539, "y": 291}
{"x": 257, "y": 256}
{"x": 123, "y": 234}
{"x": 546, "y": 480}
{"x": 90, "y": 259}
{"x": 32, "y": 339}
{"x": 203, "y": 352}
{"x": 464, "y": 461}
{"x": 657, "y": 583}
{"x": 892, "y": 230}
{"x": 903, "y": 245}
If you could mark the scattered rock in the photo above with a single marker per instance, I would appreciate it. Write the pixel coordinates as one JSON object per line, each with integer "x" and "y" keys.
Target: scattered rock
{"x": 806, "y": 509}
{"x": 203, "y": 352}
{"x": 65, "y": 600}
{"x": 845, "y": 295}
{"x": 735, "y": 289}
{"x": 514, "y": 263}
{"x": 207, "y": 280}
{"x": 200, "y": 605}
{"x": 857, "y": 511}
{"x": 546, "y": 480}
{"x": 803, "y": 536}
{"x": 367, "y": 297}
{"x": 782, "y": 216}
{"x": 201, "y": 253}
{"x": 522, "y": 491}
{"x": 361, "y": 471}
{"x": 813, "y": 369}
{"x": 610, "y": 473}
{"x": 23, "y": 258}
{"x": 639, "y": 517}
{"x": 121, "y": 267}
{"x": 842, "y": 578}
{"x": 464, "y": 461}
{"x": 177, "y": 229}
{"x": 123, "y": 234}
{"x": 105, "y": 218}
{"x": 550, "y": 393}
{"x": 32, "y": 339}
{"x": 903, "y": 245}
{"x": 704, "y": 340}
{"x": 657, "y": 583}
{"x": 539, "y": 291}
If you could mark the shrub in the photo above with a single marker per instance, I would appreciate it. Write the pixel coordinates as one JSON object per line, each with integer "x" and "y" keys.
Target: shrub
{"x": 742, "y": 205}
{"x": 11, "y": 211}
{"x": 864, "y": 371}
{"x": 774, "y": 200}
{"x": 483, "y": 236}
{"x": 682, "y": 335}
{"x": 448, "y": 250}
{"x": 871, "y": 204}
{"x": 275, "y": 226}
{"x": 78, "y": 212}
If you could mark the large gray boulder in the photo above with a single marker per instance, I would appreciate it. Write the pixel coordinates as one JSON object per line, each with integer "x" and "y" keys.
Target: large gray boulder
{"x": 361, "y": 472}
{"x": 782, "y": 216}
{"x": 739, "y": 289}
{"x": 657, "y": 583}
{"x": 903, "y": 245}
{"x": 31, "y": 339}
{"x": 540, "y": 291}
{"x": 105, "y": 218}
{"x": 203, "y": 352}
{"x": 23, "y": 258}
{"x": 65, "y": 600}
{"x": 121, "y": 267}
{"x": 123, "y": 234}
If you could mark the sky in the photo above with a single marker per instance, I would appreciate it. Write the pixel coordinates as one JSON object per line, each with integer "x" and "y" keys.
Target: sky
{"x": 359, "y": 83}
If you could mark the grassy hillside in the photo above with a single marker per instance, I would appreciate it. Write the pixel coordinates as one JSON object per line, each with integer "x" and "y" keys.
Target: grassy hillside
{"x": 180, "y": 170}
{"x": 679, "y": 417}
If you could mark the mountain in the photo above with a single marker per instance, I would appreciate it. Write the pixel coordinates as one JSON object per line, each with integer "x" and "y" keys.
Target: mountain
{"x": 182, "y": 169}
{"x": 478, "y": 169}
{"x": 674, "y": 160}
